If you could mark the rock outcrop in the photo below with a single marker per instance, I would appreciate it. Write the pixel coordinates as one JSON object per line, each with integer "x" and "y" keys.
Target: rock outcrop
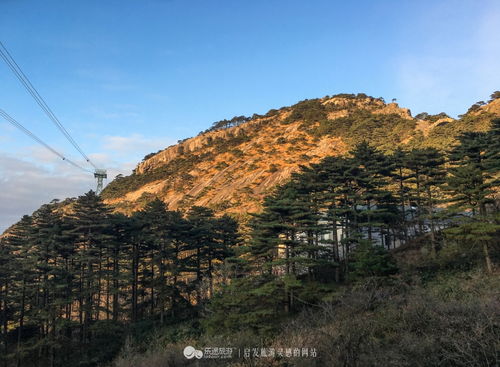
{"x": 232, "y": 169}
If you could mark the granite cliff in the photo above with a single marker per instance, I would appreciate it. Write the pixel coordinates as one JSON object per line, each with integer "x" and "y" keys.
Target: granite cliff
{"x": 231, "y": 168}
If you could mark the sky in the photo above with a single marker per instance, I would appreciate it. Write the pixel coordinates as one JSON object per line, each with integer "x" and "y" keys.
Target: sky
{"x": 129, "y": 77}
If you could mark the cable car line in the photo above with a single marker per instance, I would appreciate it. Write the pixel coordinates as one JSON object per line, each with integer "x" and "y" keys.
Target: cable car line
{"x": 18, "y": 125}
{"x": 11, "y": 63}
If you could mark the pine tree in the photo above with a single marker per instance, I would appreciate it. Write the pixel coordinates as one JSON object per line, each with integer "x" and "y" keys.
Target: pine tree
{"x": 492, "y": 156}
{"x": 433, "y": 174}
{"x": 333, "y": 176}
{"x": 468, "y": 173}
{"x": 90, "y": 227}
{"x": 400, "y": 178}
{"x": 179, "y": 229}
{"x": 208, "y": 240}
{"x": 427, "y": 176}
{"x": 376, "y": 206}
{"x": 18, "y": 282}
{"x": 48, "y": 252}
{"x": 472, "y": 184}
{"x": 119, "y": 255}
{"x": 227, "y": 238}
{"x": 154, "y": 220}
{"x": 6, "y": 272}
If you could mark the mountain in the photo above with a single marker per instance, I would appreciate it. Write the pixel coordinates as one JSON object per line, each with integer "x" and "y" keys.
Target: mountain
{"x": 233, "y": 165}
{"x": 81, "y": 284}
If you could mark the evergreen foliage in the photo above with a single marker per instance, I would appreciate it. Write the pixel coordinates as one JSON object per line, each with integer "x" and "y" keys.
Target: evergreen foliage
{"x": 337, "y": 220}
{"x": 70, "y": 282}
{"x": 372, "y": 261}
{"x": 75, "y": 283}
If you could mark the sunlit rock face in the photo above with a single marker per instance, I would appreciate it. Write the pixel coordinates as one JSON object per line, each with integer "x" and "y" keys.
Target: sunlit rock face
{"x": 232, "y": 169}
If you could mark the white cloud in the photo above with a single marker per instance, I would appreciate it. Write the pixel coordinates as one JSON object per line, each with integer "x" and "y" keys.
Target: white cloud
{"x": 41, "y": 154}
{"x": 24, "y": 186}
{"x": 36, "y": 177}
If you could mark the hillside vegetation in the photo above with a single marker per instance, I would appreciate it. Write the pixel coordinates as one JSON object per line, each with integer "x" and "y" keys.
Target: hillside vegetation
{"x": 375, "y": 255}
{"x": 450, "y": 319}
{"x": 232, "y": 166}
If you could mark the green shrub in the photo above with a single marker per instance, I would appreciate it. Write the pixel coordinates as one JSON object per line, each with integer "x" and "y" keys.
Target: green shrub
{"x": 308, "y": 111}
{"x": 384, "y": 131}
{"x": 369, "y": 260}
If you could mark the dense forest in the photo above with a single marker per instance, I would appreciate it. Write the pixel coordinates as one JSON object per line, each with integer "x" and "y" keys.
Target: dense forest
{"x": 325, "y": 264}
{"x": 70, "y": 281}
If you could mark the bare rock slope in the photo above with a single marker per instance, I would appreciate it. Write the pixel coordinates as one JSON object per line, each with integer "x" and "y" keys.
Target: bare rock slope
{"x": 231, "y": 169}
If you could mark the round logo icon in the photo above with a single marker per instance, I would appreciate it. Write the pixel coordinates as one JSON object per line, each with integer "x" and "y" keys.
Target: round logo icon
{"x": 198, "y": 354}
{"x": 190, "y": 353}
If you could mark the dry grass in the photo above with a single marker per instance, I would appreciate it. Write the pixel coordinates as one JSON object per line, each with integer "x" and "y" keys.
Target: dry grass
{"x": 453, "y": 321}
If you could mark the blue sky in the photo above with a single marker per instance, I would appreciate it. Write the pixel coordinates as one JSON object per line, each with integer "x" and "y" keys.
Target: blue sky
{"x": 130, "y": 77}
